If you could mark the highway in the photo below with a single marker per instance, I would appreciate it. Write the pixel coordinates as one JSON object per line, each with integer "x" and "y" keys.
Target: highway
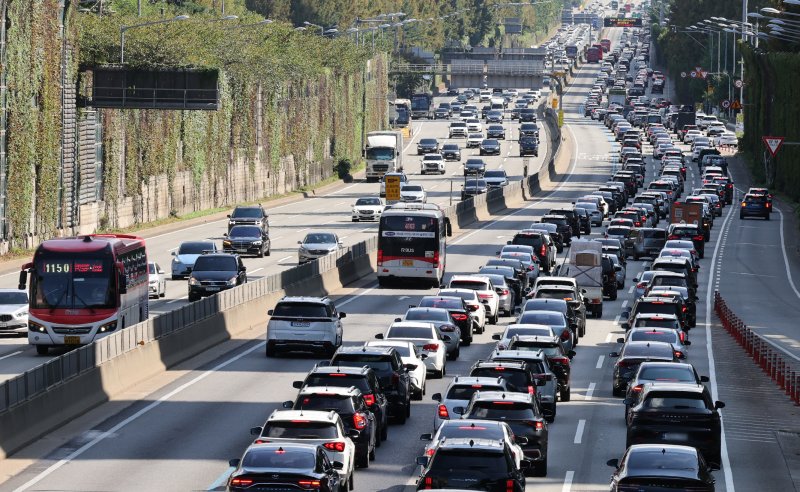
{"x": 177, "y": 432}
{"x": 289, "y": 223}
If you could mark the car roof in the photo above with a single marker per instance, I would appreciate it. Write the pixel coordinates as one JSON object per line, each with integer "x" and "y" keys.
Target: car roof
{"x": 366, "y": 349}
{"x": 502, "y": 395}
{"x": 309, "y": 299}
{"x": 673, "y": 386}
{"x": 472, "y": 443}
{"x": 329, "y": 390}
{"x": 311, "y": 415}
{"x": 469, "y": 380}
{"x": 317, "y": 369}
{"x": 518, "y": 354}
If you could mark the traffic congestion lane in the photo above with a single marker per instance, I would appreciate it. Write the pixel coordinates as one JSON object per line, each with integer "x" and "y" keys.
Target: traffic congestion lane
{"x": 290, "y": 222}
{"x": 376, "y": 308}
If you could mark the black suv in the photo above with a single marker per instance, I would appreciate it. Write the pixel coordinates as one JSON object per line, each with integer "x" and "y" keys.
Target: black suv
{"x": 676, "y": 413}
{"x": 572, "y": 217}
{"x": 215, "y": 272}
{"x": 522, "y": 413}
{"x": 516, "y": 374}
{"x": 563, "y": 226}
{"x": 459, "y": 312}
{"x": 541, "y": 243}
{"x": 609, "y": 273}
{"x": 253, "y": 215}
{"x": 464, "y": 462}
{"x": 355, "y": 414}
{"x": 689, "y": 232}
{"x": 655, "y": 305}
{"x": 560, "y": 361}
{"x": 246, "y": 239}
{"x": 528, "y": 145}
{"x": 392, "y": 374}
{"x": 527, "y": 115}
{"x": 364, "y": 379}
{"x": 633, "y": 354}
{"x": 529, "y": 130}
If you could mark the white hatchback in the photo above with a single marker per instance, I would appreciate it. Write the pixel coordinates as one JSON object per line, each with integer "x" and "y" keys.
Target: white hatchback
{"x": 485, "y": 290}
{"x": 426, "y": 338}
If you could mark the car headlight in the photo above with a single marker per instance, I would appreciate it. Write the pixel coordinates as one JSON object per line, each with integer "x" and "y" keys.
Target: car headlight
{"x": 175, "y": 261}
{"x": 153, "y": 281}
{"x": 231, "y": 222}
{"x": 256, "y": 243}
{"x": 226, "y": 243}
{"x": 232, "y": 281}
{"x": 21, "y": 314}
{"x": 301, "y": 250}
{"x": 193, "y": 281}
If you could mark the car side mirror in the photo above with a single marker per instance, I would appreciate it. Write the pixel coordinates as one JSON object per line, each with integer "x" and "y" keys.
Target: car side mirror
{"x": 617, "y": 268}
{"x": 269, "y": 312}
{"x": 704, "y": 379}
{"x": 426, "y": 437}
{"x": 521, "y": 440}
{"x": 719, "y": 405}
{"x": 422, "y": 461}
{"x": 687, "y": 342}
{"x": 297, "y": 384}
{"x": 255, "y": 431}
{"x": 324, "y": 363}
{"x": 614, "y": 354}
{"x": 379, "y": 336}
{"x": 620, "y": 340}
{"x": 243, "y": 268}
{"x": 338, "y": 465}
{"x": 496, "y": 336}
{"x": 225, "y": 235}
{"x": 299, "y": 242}
{"x": 234, "y": 463}
{"x": 423, "y": 356}
{"x": 436, "y": 397}
{"x": 508, "y": 242}
{"x": 446, "y": 338}
{"x": 342, "y": 315}
{"x": 614, "y": 462}
{"x": 459, "y": 410}
{"x": 354, "y": 433}
{"x": 571, "y": 354}
{"x": 398, "y": 319}
{"x": 288, "y": 404}
{"x": 636, "y": 279}
{"x": 410, "y": 367}
{"x": 625, "y": 325}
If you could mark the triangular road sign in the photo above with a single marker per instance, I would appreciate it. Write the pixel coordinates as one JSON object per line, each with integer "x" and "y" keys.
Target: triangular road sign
{"x": 736, "y": 104}
{"x": 773, "y": 144}
{"x": 698, "y": 69}
{"x": 703, "y": 73}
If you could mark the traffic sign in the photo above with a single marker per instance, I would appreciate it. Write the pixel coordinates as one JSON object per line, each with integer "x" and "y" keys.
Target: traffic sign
{"x": 693, "y": 74}
{"x": 738, "y": 83}
{"x": 698, "y": 68}
{"x": 726, "y": 104}
{"x": 702, "y": 73}
{"x": 392, "y": 188}
{"x": 736, "y": 104}
{"x": 683, "y": 75}
{"x": 773, "y": 144}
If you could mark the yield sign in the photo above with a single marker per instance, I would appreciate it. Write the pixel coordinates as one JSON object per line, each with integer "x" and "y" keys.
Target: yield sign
{"x": 773, "y": 144}
{"x": 698, "y": 69}
{"x": 702, "y": 73}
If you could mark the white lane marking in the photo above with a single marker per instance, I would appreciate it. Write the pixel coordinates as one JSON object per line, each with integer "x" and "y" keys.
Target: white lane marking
{"x": 401, "y": 298}
{"x": 616, "y": 322}
{"x": 221, "y": 479}
{"x": 600, "y": 360}
{"x": 348, "y": 301}
{"x": 579, "y": 431}
{"x": 172, "y": 249}
{"x": 115, "y": 430}
{"x": 275, "y": 238}
{"x": 414, "y": 137}
{"x": 630, "y": 291}
{"x": 285, "y": 258}
{"x": 178, "y": 299}
{"x": 12, "y": 354}
{"x": 726, "y": 462}
{"x": 624, "y": 304}
{"x": 589, "y": 391}
{"x": 568, "y": 481}
{"x": 254, "y": 271}
{"x": 367, "y": 229}
{"x": 301, "y": 230}
{"x": 786, "y": 257}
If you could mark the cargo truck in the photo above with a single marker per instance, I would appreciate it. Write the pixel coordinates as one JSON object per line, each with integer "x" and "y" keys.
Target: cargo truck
{"x": 383, "y": 153}
{"x": 686, "y": 213}
{"x": 686, "y": 116}
{"x": 586, "y": 267}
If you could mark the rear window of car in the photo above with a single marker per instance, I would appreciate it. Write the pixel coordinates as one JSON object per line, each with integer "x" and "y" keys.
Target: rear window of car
{"x": 339, "y": 380}
{"x": 469, "y": 284}
{"x": 441, "y": 303}
{"x": 516, "y": 379}
{"x": 647, "y": 350}
{"x": 409, "y": 332}
{"x": 379, "y": 363}
{"x": 465, "y": 392}
{"x": 534, "y": 240}
{"x": 668, "y": 336}
{"x": 674, "y": 401}
{"x": 668, "y": 281}
{"x": 654, "y": 234}
{"x": 542, "y": 318}
{"x": 268, "y": 458}
{"x": 300, "y": 429}
{"x": 506, "y": 410}
{"x": 466, "y": 463}
{"x": 492, "y": 432}
{"x": 427, "y": 314}
{"x": 300, "y": 310}
{"x": 655, "y": 372}
{"x": 342, "y": 404}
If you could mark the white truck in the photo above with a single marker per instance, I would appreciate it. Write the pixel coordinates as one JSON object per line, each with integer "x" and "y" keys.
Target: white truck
{"x": 384, "y": 153}
{"x": 586, "y": 267}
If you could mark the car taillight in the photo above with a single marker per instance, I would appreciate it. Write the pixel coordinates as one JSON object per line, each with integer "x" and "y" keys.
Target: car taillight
{"x": 459, "y": 317}
{"x": 559, "y": 360}
{"x": 369, "y": 399}
{"x": 565, "y": 336}
{"x": 744, "y": 204}
{"x": 638, "y": 388}
{"x": 359, "y": 421}
{"x": 380, "y": 257}
{"x": 261, "y": 441}
{"x": 436, "y": 258}
{"x": 428, "y": 483}
{"x": 637, "y": 224}
{"x": 473, "y": 307}
{"x": 543, "y": 251}
{"x": 672, "y": 236}
{"x": 769, "y": 204}
{"x": 443, "y": 413}
{"x": 509, "y": 486}
{"x": 641, "y": 285}
{"x": 531, "y": 390}
{"x": 697, "y": 238}
{"x": 539, "y": 425}
{"x": 684, "y": 309}
{"x": 431, "y": 347}
{"x": 502, "y": 292}
{"x": 241, "y": 482}
{"x": 334, "y": 446}
{"x": 429, "y": 452}
{"x": 677, "y": 353}
{"x": 309, "y": 484}
{"x": 531, "y": 267}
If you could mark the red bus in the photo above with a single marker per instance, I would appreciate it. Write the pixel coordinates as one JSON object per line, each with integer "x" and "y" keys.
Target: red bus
{"x": 83, "y": 288}
{"x": 594, "y": 54}
{"x": 606, "y": 44}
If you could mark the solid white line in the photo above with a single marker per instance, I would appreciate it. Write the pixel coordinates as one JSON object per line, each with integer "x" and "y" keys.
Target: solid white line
{"x": 624, "y": 304}
{"x": 254, "y": 271}
{"x": 172, "y": 249}
{"x": 600, "y": 360}
{"x": 589, "y": 392}
{"x": 115, "y": 430}
{"x": 726, "y": 462}
{"x": 285, "y": 258}
{"x": 367, "y": 229}
{"x": 608, "y": 336}
{"x": 11, "y": 354}
{"x": 786, "y": 257}
{"x": 568, "y": 481}
{"x": 178, "y": 299}
{"x": 579, "y": 431}
{"x": 221, "y": 479}
{"x": 630, "y": 291}
{"x": 348, "y": 301}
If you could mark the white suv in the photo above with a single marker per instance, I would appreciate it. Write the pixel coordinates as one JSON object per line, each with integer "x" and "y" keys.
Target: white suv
{"x": 485, "y": 290}
{"x": 311, "y": 427}
{"x": 458, "y": 129}
{"x": 304, "y": 324}
{"x": 432, "y": 163}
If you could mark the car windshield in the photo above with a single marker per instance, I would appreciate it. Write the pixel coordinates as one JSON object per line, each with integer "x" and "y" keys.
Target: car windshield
{"x": 676, "y": 400}
{"x": 647, "y": 350}
{"x": 216, "y": 264}
{"x": 516, "y": 380}
{"x": 469, "y": 464}
{"x": 410, "y": 332}
{"x": 668, "y": 336}
{"x": 427, "y": 314}
{"x": 662, "y": 280}
{"x": 319, "y": 238}
{"x": 300, "y": 429}
{"x": 476, "y": 183}
{"x": 412, "y": 188}
{"x": 450, "y": 147}
{"x": 279, "y": 459}
{"x": 246, "y": 213}
{"x": 502, "y": 410}
{"x": 368, "y": 201}
{"x": 475, "y": 162}
{"x": 195, "y": 248}
{"x": 15, "y": 297}
{"x": 542, "y": 318}
{"x": 245, "y": 231}
{"x": 495, "y": 174}
{"x": 342, "y": 404}
{"x": 300, "y": 310}
{"x": 428, "y": 141}
{"x": 552, "y": 293}
{"x": 656, "y": 459}
{"x": 452, "y": 430}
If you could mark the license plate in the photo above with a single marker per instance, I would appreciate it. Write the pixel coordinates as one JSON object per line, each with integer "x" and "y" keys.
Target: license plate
{"x": 303, "y": 324}
{"x": 676, "y": 436}
{"x": 72, "y": 340}
{"x": 408, "y": 263}
{"x": 212, "y": 289}
{"x": 241, "y": 250}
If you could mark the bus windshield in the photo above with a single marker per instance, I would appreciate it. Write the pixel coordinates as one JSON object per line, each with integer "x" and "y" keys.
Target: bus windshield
{"x": 72, "y": 281}
{"x": 409, "y": 236}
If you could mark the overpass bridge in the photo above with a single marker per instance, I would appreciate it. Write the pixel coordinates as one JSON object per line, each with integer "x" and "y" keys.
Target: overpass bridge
{"x": 503, "y": 74}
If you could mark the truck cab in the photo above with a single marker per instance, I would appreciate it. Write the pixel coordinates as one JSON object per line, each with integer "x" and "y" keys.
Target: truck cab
{"x": 383, "y": 153}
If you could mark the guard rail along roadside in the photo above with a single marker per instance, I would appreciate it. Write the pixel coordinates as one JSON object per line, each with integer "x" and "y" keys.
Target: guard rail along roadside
{"x": 45, "y": 397}
{"x": 781, "y": 366}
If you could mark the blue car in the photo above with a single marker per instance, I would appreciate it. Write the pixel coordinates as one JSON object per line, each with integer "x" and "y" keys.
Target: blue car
{"x": 187, "y": 254}
{"x": 755, "y": 205}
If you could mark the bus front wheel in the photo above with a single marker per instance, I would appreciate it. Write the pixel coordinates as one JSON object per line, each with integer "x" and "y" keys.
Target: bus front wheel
{"x": 42, "y": 349}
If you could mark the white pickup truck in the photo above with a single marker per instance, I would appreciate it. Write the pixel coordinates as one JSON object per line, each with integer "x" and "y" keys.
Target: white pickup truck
{"x": 586, "y": 267}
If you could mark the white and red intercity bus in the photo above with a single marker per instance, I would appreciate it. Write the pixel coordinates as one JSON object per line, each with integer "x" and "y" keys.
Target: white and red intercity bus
{"x": 83, "y": 288}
